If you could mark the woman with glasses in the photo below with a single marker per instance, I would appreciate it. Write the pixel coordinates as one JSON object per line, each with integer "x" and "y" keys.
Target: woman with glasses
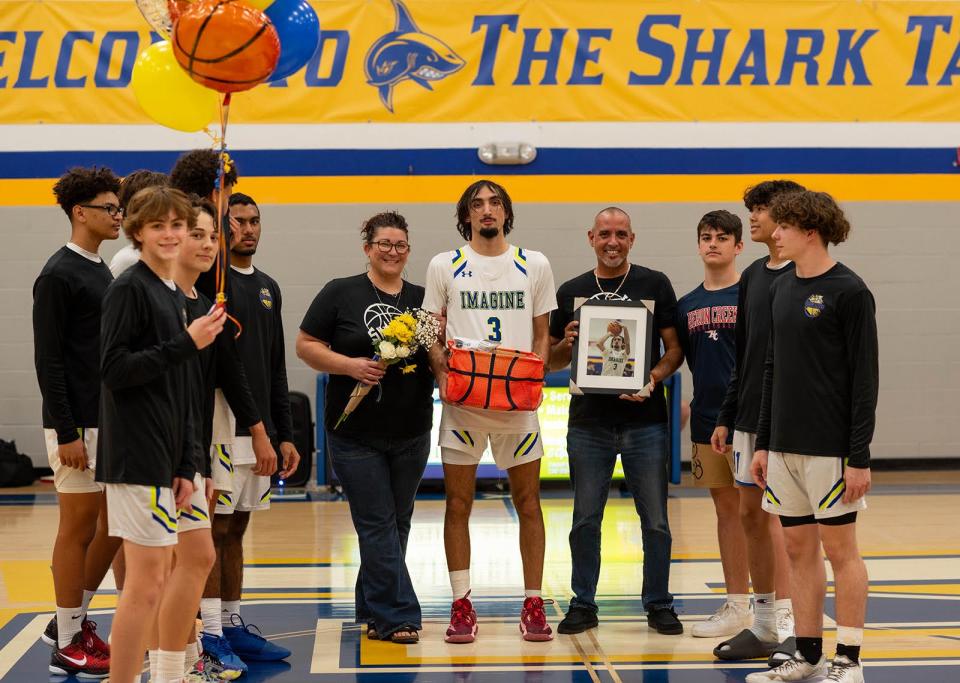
{"x": 380, "y": 451}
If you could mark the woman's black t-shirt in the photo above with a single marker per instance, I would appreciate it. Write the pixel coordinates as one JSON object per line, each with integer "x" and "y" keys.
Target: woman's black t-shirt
{"x": 347, "y": 314}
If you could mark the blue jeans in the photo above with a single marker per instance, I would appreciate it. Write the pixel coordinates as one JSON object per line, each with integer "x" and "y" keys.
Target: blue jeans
{"x": 593, "y": 454}
{"x": 380, "y": 477}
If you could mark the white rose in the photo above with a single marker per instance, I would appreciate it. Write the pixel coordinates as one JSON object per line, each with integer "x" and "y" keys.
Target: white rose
{"x": 387, "y": 350}
{"x": 403, "y": 351}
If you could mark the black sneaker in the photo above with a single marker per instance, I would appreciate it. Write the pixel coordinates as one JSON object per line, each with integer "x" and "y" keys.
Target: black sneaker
{"x": 50, "y": 633}
{"x": 665, "y": 621}
{"x": 578, "y": 620}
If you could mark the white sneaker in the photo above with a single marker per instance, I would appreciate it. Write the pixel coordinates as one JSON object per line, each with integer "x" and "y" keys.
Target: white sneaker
{"x": 784, "y": 623}
{"x": 796, "y": 669}
{"x": 730, "y": 619}
{"x": 845, "y": 671}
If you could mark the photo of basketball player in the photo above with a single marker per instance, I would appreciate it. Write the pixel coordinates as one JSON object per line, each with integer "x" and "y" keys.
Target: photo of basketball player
{"x": 612, "y": 338}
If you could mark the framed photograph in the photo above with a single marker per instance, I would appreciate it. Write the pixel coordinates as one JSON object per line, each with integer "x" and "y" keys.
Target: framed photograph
{"x": 612, "y": 352}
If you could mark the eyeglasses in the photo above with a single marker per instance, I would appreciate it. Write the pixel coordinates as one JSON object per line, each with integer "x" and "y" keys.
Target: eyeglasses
{"x": 385, "y": 246}
{"x": 112, "y": 209}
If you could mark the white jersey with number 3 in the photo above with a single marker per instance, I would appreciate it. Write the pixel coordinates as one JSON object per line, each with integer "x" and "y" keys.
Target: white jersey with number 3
{"x": 492, "y": 298}
{"x": 613, "y": 363}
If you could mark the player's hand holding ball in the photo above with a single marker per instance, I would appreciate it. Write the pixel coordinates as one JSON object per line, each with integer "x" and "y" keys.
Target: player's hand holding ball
{"x": 615, "y": 328}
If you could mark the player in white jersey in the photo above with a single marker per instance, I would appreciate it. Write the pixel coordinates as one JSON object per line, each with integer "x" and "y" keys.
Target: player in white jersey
{"x": 497, "y": 292}
{"x": 615, "y": 358}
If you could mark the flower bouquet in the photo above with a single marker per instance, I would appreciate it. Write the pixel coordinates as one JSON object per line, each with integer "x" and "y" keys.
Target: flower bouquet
{"x": 397, "y": 343}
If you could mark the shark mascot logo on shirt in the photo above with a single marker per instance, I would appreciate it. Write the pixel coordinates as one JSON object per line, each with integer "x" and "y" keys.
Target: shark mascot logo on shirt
{"x": 408, "y": 54}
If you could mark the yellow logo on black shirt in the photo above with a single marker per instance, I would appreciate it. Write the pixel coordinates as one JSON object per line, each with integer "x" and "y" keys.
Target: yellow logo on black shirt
{"x": 813, "y": 306}
{"x": 266, "y": 299}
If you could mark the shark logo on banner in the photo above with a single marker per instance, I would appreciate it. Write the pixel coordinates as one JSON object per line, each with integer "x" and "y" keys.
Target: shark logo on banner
{"x": 408, "y": 54}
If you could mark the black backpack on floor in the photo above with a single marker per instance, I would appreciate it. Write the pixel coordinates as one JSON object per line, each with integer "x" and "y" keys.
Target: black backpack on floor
{"x": 16, "y": 469}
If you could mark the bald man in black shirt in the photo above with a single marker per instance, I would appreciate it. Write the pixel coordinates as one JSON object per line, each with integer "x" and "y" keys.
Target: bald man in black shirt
{"x": 817, "y": 416}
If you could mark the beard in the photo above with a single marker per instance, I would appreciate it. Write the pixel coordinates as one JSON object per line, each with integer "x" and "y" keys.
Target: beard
{"x": 244, "y": 251}
{"x": 489, "y": 233}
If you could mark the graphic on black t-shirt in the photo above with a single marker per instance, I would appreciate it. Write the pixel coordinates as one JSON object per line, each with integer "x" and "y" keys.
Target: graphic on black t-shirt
{"x": 377, "y": 316}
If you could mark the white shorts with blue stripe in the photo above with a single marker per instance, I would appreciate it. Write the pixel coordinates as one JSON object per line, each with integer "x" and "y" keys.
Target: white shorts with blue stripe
{"x": 145, "y": 515}
{"x": 466, "y": 447}
{"x": 248, "y": 492}
{"x": 803, "y": 485}
{"x": 198, "y": 516}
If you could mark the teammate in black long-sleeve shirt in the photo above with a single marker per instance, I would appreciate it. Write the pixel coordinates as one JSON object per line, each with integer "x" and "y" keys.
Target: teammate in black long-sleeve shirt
{"x": 67, "y": 297}
{"x": 148, "y": 450}
{"x": 773, "y": 616}
{"x": 817, "y": 414}
{"x": 254, "y": 299}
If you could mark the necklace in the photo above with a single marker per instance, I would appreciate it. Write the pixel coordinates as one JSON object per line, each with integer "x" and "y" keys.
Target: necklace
{"x": 376, "y": 292}
{"x": 614, "y": 292}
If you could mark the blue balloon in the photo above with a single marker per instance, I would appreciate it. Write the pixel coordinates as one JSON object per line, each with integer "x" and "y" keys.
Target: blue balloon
{"x": 299, "y": 30}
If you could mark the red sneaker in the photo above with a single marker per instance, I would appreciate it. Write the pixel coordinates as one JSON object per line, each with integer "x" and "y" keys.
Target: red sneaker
{"x": 79, "y": 660}
{"x": 463, "y": 621}
{"x": 92, "y": 641}
{"x": 533, "y": 621}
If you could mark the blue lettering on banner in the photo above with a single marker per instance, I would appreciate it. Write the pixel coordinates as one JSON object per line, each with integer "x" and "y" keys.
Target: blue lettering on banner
{"x": 8, "y": 37}
{"x": 587, "y": 55}
{"x": 332, "y": 79}
{"x": 660, "y": 49}
{"x": 793, "y": 57}
{"x": 26, "y": 79}
{"x": 753, "y": 60}
{"x": 131, "y": 41}
{"x": 850, "y": 52}
{"x": 712, "y": 56}
{"x": 928, "y": 31}
{"x": 491, "y": 42}
{"x": 550, "y": 57}
{"x": 61, "y": 77}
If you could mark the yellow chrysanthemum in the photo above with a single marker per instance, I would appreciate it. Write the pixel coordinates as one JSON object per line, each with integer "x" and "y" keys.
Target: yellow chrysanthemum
{"x": 407, "y": 369}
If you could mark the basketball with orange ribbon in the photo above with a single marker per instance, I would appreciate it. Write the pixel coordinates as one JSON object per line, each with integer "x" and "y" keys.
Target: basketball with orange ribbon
{"x": 225, "y": 45}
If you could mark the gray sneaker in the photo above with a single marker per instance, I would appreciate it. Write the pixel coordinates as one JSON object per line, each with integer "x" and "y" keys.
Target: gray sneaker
{"x": 796, "y": 670}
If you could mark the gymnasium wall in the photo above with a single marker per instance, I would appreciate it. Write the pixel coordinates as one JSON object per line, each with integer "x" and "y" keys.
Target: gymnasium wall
{"x": 668, "y": 109}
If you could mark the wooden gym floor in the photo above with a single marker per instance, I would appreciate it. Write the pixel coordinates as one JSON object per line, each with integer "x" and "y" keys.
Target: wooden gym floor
{"x": 302, "y": 561}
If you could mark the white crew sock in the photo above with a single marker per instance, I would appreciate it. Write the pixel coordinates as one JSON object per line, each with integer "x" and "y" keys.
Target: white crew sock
{"x": 69, "y": 620}
{"x": 783, "y": 603}
{"x": 169, "y": 667}
{"x": 740, "y": 600}
{"x": 532, "y": 593}
{"x": 85, "y": 605}
{"x": 192, "y": 655}
{"x": 849, "y": 635}
{"x": 227, "y": 609}
{"x": 765, "y": 617}
{"x": 460, "y": 583}
{"x": 210, "y": 616}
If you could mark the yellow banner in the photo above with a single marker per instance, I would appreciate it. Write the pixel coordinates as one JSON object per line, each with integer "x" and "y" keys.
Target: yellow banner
{"x": 69, "y": 61}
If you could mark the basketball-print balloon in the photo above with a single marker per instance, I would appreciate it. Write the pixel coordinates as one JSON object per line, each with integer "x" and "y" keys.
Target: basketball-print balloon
{"x": 226, "y": 45}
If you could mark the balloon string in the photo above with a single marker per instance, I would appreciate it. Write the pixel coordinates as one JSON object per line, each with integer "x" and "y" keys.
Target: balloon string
{"x": 222, "y": 199}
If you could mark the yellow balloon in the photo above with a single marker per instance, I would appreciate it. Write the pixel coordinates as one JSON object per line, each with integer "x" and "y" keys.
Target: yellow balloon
{"x": 167, "y": 94}
{"x": 259, "y": 4}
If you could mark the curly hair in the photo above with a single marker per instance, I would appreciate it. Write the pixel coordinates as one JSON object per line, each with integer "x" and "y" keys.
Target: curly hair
{"x": 463, "y": 207}
{"x": 809, "y": 210}
{"x": 387, "y": 219}
{"x": 81, "y": 185}
{"x": 137, "y": 180}
{"x": 155, "y": 203}
{"x": 723, "y": 222}
{"x": 763, "y": 194}
{"x": 197, "y": 171}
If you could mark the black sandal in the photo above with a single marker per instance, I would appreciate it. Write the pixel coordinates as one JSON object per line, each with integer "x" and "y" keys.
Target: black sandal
{"x": 744, "y": 645}
{"x": 784, "y": 651}
{"x": 405, "y": 636}
{"x": 372, "y": 632}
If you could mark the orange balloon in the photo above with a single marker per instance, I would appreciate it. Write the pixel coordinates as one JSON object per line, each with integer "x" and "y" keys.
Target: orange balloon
{"x": 225, "y": 45}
